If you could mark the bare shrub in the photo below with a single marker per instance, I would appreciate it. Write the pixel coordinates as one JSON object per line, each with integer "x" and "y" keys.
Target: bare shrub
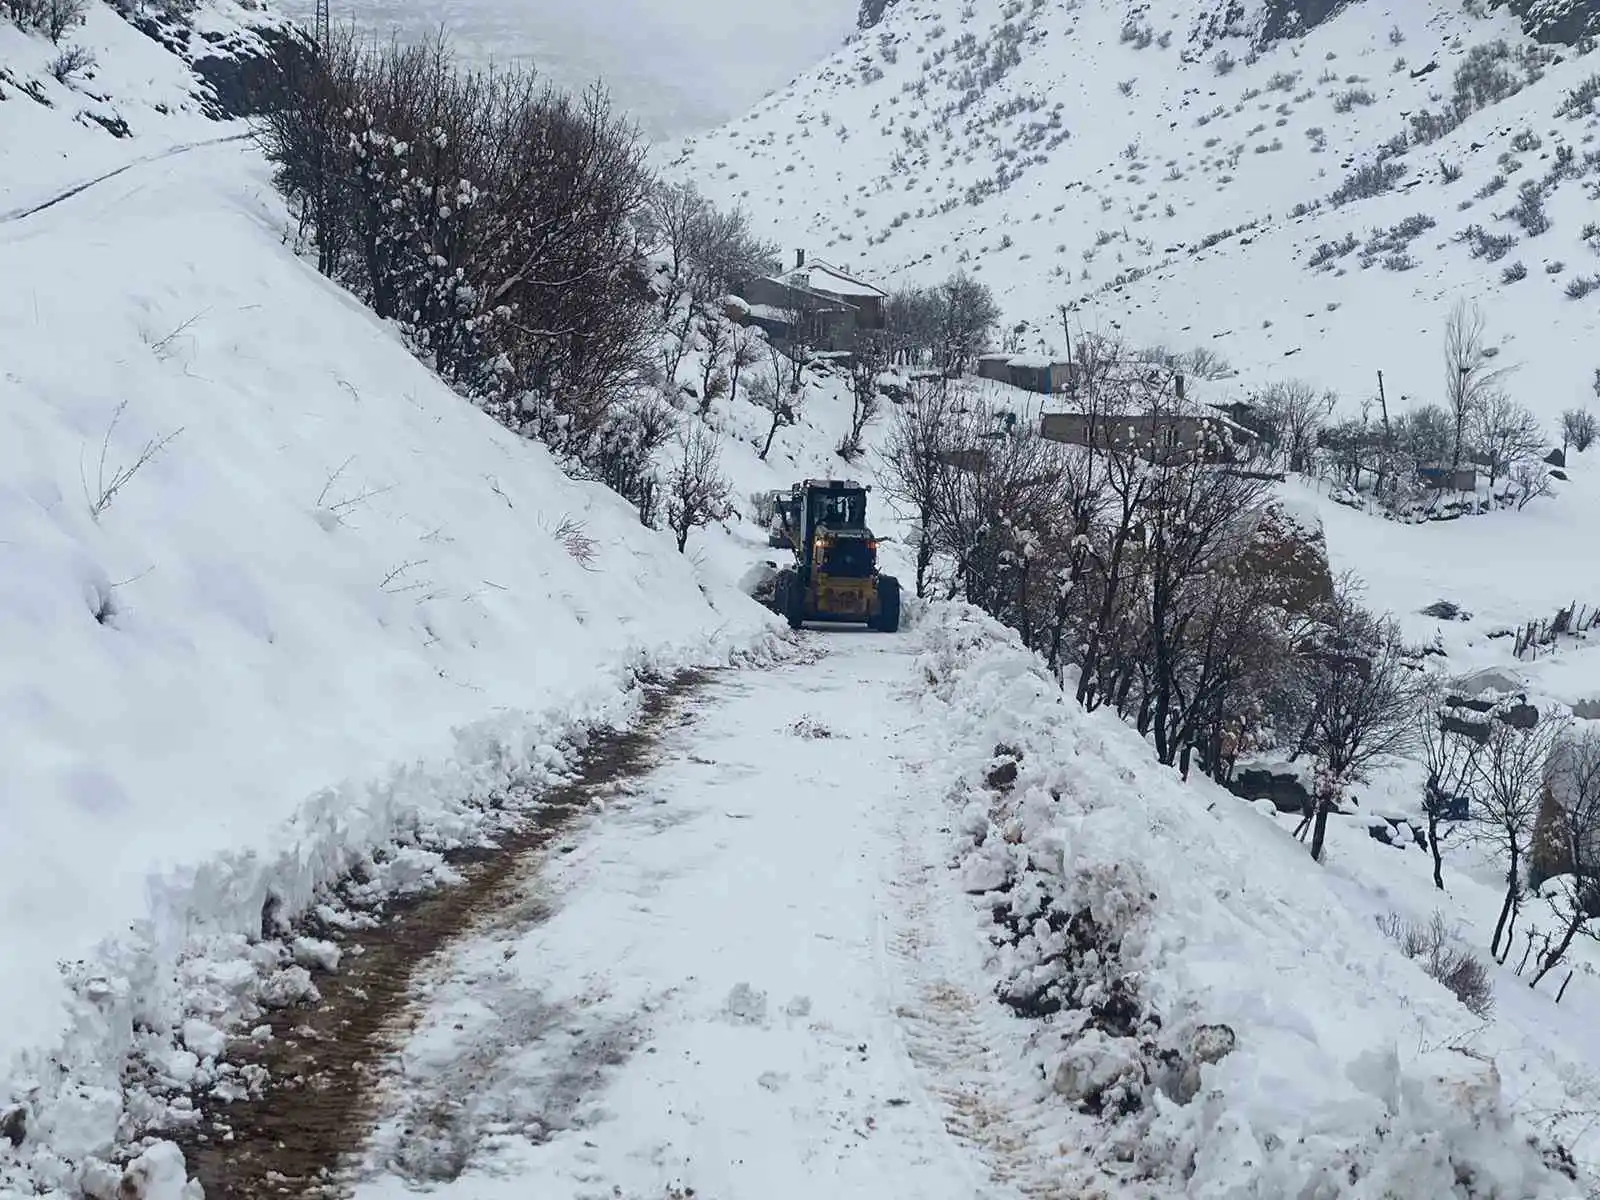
{"x": 70, "y": 63}
{"x": 1350, "y": 100}
{"x": 1440, "y": 952}
{"x": 1532, "y": 481}
{"x": 494, "y": 219}
{"x": 1368, "y": 180}
{"x": 111, "y": 478}
{"x": 697, "y": 492}
{"x": 1529, "y": 212}
{"x": 1578, "y": 426}
{"x": 572, "y": 535}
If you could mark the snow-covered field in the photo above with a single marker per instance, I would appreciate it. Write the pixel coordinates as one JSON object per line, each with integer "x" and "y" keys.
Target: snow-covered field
{"x": 677, "y": 68}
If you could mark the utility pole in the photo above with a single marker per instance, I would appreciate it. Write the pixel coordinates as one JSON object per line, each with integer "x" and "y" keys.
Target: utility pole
{"x": 1072, "y": 366}
{"x": 1388, "y": 437}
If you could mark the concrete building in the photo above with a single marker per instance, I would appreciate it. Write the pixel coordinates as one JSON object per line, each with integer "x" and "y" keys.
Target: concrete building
{"x": 1164, "y": 437}
{"x": 1032, "y": 372}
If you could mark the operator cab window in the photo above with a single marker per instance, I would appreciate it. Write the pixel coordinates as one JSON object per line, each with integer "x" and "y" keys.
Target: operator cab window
{"x": 847, "y": 511}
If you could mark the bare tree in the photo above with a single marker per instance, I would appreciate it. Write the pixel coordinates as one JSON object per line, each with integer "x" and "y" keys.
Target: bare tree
{"x": 1507, "y": 787}
{"x": 1506, "y": 434}
{"x": 1366, "y": 698}
{"x": 780, "y": 392}
{"x": 697, "y": 492}
{"x": 968, "y": 318}
{"x": 1296, "y": 412}
{"x": 866, "y": 365}
{"x": 914, "y": 317}
{"x": 746, "y": 344}
{"x": 1569, "y": 833}
{"x": 58, "y": 16}
{"x": 914, "y": 460}
{"x": 1449, "y": 757}
{"x": 1577, "y": 428}
{"x": 716, "y": 337}
{"x": 72, "y": 62}
{"x": 707, "y": 252}
{"x": 1470, "y": 379}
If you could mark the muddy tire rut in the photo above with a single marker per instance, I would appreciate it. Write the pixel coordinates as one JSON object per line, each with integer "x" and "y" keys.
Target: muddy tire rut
{"x": 325, "y": 1061}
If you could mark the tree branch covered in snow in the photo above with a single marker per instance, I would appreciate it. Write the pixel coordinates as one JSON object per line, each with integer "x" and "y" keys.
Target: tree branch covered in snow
{"x": 496, "y": 220}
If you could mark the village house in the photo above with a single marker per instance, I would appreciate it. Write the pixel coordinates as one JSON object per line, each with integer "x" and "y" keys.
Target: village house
{"x": 1161, "y": 437}
{"x": 835, "y": 307}
{"x": 1032, "y": 372}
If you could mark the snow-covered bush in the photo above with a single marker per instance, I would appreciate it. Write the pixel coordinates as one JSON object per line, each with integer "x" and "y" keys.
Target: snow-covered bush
{"x": 1440, "y": 952}
{"x": 1368, "y": 180}
{"x": 494, "y": 220}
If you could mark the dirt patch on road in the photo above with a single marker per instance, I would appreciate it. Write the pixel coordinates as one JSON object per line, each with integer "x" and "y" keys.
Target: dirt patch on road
{"x": 323, "y": 1061}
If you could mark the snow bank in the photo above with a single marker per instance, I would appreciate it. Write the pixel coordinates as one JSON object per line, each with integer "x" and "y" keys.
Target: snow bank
{"x": 271, "y": 598}
{"x": 1238, "y": 1030}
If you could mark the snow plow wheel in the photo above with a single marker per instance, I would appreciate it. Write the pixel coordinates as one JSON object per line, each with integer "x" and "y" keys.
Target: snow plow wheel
{"x": 790, "y": 598}
{"x": 888, "y": 619}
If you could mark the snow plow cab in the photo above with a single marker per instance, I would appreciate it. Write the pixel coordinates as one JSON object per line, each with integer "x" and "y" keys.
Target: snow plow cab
{"x": 834, "y": 576}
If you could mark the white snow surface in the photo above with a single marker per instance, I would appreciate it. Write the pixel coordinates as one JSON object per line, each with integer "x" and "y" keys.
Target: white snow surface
{"x": 760, "y": 973}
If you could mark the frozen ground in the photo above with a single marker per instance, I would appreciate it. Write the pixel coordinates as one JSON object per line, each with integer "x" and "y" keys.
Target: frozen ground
{"x": 676, "y": 67}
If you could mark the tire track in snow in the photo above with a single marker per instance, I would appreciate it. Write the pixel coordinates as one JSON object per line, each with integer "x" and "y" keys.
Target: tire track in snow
{"x": 299, "y": 1136}
{"x": 77, "y": 189}
{"x": 989, "y": 1101}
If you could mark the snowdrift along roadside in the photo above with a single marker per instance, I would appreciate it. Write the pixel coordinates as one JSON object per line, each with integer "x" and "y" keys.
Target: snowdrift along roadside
{"x": 335, "y": 580}
{"x": 1200, "y": 985}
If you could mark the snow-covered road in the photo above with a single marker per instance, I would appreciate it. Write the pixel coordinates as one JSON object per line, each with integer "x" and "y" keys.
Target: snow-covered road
{"x": 735, "y": 982}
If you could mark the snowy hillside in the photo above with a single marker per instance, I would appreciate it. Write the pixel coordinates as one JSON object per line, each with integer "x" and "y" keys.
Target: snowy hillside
{"x": 271, "y": 597}
{"x": 1152, "y": 172}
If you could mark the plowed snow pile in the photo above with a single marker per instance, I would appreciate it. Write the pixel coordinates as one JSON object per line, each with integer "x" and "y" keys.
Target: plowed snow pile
{"x": 1198, "y": 982}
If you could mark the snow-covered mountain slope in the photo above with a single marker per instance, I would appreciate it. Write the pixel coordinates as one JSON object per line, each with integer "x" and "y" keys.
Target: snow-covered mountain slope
{"x": 1149, "y": 170}
{"x": 271, "y": 596}
{"x": 128, "y": 98}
